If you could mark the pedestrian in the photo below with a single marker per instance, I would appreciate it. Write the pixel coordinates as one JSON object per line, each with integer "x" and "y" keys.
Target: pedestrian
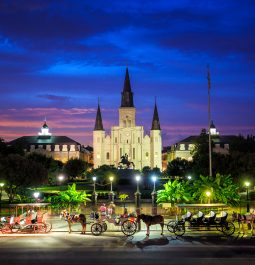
{"x": 102, "y": 210}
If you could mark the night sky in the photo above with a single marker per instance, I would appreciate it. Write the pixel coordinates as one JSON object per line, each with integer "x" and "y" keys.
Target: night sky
{"x": 58, "y": 57}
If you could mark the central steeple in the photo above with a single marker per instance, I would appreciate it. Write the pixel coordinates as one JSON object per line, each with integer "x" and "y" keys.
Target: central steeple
{"x": 127, "y": 94}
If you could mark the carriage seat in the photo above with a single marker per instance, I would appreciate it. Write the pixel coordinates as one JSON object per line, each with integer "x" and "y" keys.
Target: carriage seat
{"x": 187, "y": 216}
{"x": 198, "y": 218}
{"x": 210, "y": 217}
{"x": 223, "y": 216}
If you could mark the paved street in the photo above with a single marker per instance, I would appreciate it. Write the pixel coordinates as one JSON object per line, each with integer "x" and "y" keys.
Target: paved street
{"x": 59, "y": 247}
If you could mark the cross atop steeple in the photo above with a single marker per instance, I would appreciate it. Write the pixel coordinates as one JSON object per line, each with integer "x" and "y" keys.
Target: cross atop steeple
{"x": 127, "y": 94}
{"x": 98, "y": 123}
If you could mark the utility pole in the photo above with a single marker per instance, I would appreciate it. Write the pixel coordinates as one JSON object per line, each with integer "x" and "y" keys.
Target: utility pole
{"x": 209, "y": 120}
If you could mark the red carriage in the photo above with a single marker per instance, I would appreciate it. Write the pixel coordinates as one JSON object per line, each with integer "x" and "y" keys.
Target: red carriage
{"x": 33, "y": 220}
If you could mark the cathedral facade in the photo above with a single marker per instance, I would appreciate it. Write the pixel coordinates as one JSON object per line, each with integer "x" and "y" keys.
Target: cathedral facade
{"x": 127, "y": 143}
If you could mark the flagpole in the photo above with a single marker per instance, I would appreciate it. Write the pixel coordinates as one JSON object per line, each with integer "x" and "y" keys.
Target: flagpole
{"x": 209, "y": 120}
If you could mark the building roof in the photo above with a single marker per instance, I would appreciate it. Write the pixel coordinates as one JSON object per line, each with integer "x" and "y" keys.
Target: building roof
{"x": 215, "y": 139}
{"x": 155, "y": 121}
{"x": 99, "y": 122}
{"x": 127, "y": 94}
{"x": 42, "y": 140}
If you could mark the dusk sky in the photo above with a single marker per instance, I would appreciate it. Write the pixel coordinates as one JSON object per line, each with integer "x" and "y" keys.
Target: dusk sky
{"x": 58, "y": 57}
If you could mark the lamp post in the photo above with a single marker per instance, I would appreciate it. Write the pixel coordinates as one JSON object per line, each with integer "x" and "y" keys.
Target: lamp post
{"x": 153, "y": 196}
{"x": 1, "y": 190}
{"x": 208, "y": 194}
{"x": 94, "y": 178}
{"x": 36, "y": 195}
{"x": 111, "y": 194}
{"x": 138, "y": 199}
{"x": 189, "y": 177}
{"x": 247, "y": 184}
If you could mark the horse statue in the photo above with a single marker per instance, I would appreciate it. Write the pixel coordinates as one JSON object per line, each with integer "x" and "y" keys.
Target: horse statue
{"x": 124, "y": 161}
{"x": 151, "y": 220}
{"x": 244, "y": 219}
{"x": 74, "y": 218}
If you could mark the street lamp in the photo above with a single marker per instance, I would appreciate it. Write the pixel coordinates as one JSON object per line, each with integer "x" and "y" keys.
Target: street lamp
{"x": 137, "y": 178}
{"x": 111, "y": 194}
{"x": 208, "y": 194}
{"x": 247, "y": 184}
{"x": 154, "y": 178}
{"x": 189, "y": 177}
{"x": 94, "y": 178}
{"x": 36, "y": 195}
{"x": 111, "y": 180}
{"x": 1, "y": 190}
{"x": 153, "y": 196}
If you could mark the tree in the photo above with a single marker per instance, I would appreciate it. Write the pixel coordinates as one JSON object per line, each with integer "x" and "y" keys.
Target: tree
{"x": 6, "y": 149}
{"x": 70, "y": 198}
{"x": 19, "y": 172}
{"x": 173, "y": 192}
{"x": 200, "y": 154}
{"x": 103, "y": 173}
{"x": 221, "y": 187}
{"x": 123, "y": 197}
{"x": 75, "y": 168}
{"x": 53, "y": 167}
{"x": 179, "y": 167}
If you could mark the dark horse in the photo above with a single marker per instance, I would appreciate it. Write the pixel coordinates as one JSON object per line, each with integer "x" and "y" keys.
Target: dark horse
{"x": 244, "y": 219}
{"x": 124, "y": 161}
{"x": 151, "y": 220}
{"x": 74, "y": 218}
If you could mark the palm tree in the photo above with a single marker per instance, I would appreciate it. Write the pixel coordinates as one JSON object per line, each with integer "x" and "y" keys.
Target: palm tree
{"x": 70, "y": 197}
{"x": 221, "y": 187}
{"x": 175, "y": 191}
{"x": 123, "y": 197}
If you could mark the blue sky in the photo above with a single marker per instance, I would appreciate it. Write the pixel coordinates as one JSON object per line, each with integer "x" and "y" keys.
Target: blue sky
{"x": 58, "y": 57}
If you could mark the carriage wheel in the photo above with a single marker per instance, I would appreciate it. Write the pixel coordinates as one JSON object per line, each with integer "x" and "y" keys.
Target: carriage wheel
{"x": 104, "y": 226}
{"x": 170, "y": 226}
{"x": 128, "y": 228}
{"x": 96, "y": 229}
{"x": 179, "y": 229}
{"x": 15, "y": 228}
{"x": 48, "y": 227}
{"x": 40, "y": 228}
{"x": 6, "y": 229}
{"x": 228, "y": 229}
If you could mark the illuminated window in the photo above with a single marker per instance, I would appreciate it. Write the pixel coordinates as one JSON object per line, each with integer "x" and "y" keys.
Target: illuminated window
{"x": 98, "y": 155}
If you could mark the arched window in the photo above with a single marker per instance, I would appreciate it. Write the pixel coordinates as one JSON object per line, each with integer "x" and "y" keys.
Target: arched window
{"x": 107, "y": 155}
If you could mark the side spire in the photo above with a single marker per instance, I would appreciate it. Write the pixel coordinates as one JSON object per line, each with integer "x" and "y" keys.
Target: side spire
{"x": 98, "y": 123}
{"x": 155, "y": 121}
{"x": 127, "y": 94}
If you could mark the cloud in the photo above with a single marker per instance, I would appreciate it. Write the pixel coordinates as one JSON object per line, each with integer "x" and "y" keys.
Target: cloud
{"x": 54, "y": 97}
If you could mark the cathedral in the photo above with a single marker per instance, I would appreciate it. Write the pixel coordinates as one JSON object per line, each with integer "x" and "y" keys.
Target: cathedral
{"x": 127, "y": 146}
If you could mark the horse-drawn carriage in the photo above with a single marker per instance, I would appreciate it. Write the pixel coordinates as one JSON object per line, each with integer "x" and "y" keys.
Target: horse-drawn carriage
{"x": 32, "y": 220}
{"x": 202, "y": 222}
{"x": 126, "y": 222}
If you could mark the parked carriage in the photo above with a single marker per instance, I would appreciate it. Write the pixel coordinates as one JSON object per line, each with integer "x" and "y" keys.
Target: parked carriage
{"x": 202, "y": 222}
{"x": 34, "y": 220}
{"x": 126, "y": 222}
